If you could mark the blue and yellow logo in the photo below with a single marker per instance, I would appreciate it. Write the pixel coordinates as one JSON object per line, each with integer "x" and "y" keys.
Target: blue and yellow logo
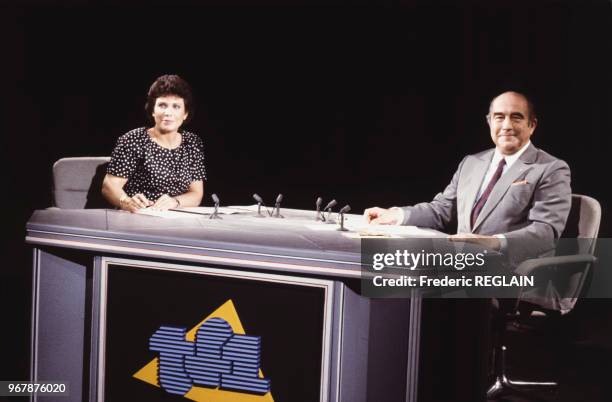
{"x": 215, "y": 361}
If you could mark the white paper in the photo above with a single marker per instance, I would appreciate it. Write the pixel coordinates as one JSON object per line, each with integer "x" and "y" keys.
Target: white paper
{"x": 322, "y": 227}
{"x": 413, "y": 231}
{"x": 211, "y": 210}
{"x": 165, "y": 214}
{"x": 190, "y": 212}
{"x": 356, "y": 224}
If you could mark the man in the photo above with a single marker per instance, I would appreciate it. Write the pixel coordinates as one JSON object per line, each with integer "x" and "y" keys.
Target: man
{"x": 514, "y": 198}
{"x": 514, "y": 193}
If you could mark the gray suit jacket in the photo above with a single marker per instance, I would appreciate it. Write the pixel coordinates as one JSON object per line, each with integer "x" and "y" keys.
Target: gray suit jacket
{"x": 529, "y": 204}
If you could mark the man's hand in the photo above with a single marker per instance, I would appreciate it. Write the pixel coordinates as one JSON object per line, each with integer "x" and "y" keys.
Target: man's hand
{"x": 382, "y": 216}
{"x": 490, "y": 242}
{"x": 165, "y": 202}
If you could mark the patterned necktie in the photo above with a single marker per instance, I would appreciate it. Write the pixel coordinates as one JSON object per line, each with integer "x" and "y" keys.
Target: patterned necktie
{"x": 485, "y": 195}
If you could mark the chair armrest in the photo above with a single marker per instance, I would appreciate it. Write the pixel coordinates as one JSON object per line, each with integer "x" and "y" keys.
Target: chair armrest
{"x": 528, "y": 266}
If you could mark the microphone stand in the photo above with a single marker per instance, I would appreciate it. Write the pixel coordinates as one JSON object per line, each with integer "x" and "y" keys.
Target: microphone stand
{"x": 215, "y": 214}
{"x": 344, "y": 210}
{"x": 277, "y": 206}
{"x": 259, "y": 204}
{"x": 328, "y": 208}
{"x": 319, "y": 216}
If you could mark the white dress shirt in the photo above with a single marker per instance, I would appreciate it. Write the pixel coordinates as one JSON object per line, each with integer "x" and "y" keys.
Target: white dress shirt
{"x": 497, "y": 156}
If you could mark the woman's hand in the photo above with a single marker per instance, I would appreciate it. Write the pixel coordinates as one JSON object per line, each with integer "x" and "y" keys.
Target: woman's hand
{"x": 165, "y": 202}
{"x": 112, "y": 189}
{"x": 134, "y": 203}
{"x": 141, "y": 201}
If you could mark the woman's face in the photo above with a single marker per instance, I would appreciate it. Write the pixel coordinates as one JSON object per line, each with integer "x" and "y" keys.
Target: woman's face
{"x": 169, "y": 113}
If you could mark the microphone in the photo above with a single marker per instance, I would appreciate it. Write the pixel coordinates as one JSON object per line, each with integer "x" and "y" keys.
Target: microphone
{"x": 344, "y": 210}
{"x": 328, "y": 208}
{"x": 319, "y": 215}
{"x": 277, "y": 206}
{"x": 215, "y": 214}
{"x": 330, "y": 205}
{"x": 259, "y": 204}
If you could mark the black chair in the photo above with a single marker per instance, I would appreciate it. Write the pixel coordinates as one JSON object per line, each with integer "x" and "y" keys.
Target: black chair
{"x": 77, "y": 182}
{"x": 525, "y": 317}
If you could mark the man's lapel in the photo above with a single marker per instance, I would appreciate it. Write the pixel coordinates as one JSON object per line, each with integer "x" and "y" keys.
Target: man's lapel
{"x": 501, "y": 187}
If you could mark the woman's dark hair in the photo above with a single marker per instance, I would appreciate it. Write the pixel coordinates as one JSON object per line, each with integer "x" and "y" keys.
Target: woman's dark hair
{"x": 168, "y": 85}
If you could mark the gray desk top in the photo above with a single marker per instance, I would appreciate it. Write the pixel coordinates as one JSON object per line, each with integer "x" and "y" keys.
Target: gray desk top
{"x": 240, "y": 239}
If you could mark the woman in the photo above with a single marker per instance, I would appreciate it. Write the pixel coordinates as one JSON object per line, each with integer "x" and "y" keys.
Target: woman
{"x": 158, "y": 167}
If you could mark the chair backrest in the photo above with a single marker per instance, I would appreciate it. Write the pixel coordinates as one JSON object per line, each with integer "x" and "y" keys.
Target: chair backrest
{"x": 583, "y": 222}
{"x": 77, "y": 182}
{"x": 583, "y": 226}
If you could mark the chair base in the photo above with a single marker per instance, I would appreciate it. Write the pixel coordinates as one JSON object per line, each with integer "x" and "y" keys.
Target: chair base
{"x": 503, "y": 386}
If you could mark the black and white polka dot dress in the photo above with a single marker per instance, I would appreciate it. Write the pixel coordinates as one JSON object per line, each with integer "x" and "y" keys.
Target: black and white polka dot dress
{"x": 154, "y": 170}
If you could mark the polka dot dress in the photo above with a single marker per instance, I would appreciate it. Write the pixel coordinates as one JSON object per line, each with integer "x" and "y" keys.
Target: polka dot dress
{"x": 154, "y": 170}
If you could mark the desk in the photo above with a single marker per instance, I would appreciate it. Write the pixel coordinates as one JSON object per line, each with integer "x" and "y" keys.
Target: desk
{"x": 105, "y": 280}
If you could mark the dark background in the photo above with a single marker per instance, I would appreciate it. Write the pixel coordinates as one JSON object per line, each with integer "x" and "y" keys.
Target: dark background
{"x": 372, "y": 103}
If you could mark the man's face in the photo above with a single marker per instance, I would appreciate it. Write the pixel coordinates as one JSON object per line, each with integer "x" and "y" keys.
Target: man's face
{"x": 509, "y": 122}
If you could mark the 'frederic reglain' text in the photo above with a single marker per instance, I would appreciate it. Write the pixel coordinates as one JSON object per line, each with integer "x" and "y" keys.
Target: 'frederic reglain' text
{"x": 476, "y": 281}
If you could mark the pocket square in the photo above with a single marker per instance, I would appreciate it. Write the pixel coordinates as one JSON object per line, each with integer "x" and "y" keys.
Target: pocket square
{"x": 520, "y": 182}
